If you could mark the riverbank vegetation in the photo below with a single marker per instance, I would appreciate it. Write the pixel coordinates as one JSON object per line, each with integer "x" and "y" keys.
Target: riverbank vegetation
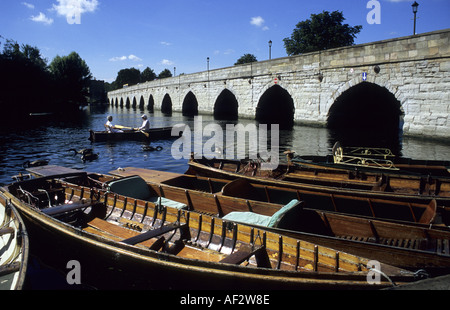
{"x": 31, "y": 85}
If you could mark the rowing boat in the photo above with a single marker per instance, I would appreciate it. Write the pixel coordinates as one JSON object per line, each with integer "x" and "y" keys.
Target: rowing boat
{"x": 162, "y": 133}
{"x": 14, "y": 247}
{"x": 332, "y": 181}
{"x": 130, "y": 243}
{"x": 414, "y": 242}
{"x": 374, "y": 159}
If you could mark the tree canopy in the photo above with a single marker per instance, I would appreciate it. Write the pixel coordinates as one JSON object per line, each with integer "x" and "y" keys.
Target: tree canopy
{"x": 165, "y": 74}
{"x": 247, "y": 58}
{"x": 322, "y": 31}
{"x": 72, "y": 78}
{"x": 28, "y": 84}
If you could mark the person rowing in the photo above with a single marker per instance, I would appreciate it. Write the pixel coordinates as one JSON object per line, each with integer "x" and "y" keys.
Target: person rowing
{"x": 145, "y": 124}
{"x": 110, "y": 127}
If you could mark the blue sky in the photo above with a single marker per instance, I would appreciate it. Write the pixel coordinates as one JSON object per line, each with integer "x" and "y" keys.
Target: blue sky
{"x": 114, "y": 34}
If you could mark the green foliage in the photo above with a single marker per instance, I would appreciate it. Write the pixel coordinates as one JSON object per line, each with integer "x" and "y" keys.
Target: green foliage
{"x": 323, "y": 31}
{"x": 247, "y": 58}
{"x": 165, "y": 74}
{"x": 29, "y": 85}
{"x": 128, "y": 77}
{"x": 71, "y": 77}
{"x": 148, "y": 75}
{"x": 24, "y": 80}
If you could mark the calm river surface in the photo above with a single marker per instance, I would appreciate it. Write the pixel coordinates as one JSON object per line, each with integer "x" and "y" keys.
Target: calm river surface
{"x": 52, "y": 139}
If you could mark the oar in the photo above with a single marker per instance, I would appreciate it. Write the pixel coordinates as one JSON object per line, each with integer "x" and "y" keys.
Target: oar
{"x": 123, "y": 127}
{"x": 145, "y": 133}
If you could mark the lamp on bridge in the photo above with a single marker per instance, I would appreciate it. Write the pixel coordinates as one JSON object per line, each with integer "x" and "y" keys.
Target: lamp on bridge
{"x": 415, "y": 7}
{"x": 270, "y": 49}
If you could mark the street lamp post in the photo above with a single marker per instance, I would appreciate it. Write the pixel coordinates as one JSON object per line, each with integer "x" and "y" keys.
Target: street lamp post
{"x": 270, "y": 49}
{"x": 415, "y": 6}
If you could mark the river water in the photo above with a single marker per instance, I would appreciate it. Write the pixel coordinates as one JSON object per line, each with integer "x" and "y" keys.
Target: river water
{"x": 51, "y": 139}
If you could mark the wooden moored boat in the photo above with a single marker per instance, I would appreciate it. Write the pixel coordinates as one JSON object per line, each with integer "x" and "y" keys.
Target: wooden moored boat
{"x": 124, "y": 243}
{"x": 333, "y": 181}
{"x": 14, "y": 247}
{"x": 376, "y": 158}
{"x": 420, "y": 244}
{"x": 162, "y": 133}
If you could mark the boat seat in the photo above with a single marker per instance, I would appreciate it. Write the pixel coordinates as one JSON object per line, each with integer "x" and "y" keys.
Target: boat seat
{"x": 274, "y": 221}
{"x": 57, "y": 210}
{"x": 136, "y": 187}
{"x": 245, "y": 252}
{"x": 429, "y": 214}
{"x": 157, "y": 232}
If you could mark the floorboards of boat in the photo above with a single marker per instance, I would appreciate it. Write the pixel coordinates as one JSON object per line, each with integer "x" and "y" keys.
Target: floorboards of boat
{"x": 118, "y": 233}
{"x": 147, "y": 174}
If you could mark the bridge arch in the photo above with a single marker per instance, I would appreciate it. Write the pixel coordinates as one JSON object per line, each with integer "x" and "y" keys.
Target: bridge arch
{"x": 121, "y": 102}
{"x": 127, "y": 103}
{"x": 226, "y": 106}
{"x": 276, "y": 106}
{"x": 190, "y": 105}
{"x": 151, "y": 104}
{"x": 141, "y": 103}
{"x": 166, "y": 106}
{"x": 366, "y": 109}
{"x": 134, "y": 105}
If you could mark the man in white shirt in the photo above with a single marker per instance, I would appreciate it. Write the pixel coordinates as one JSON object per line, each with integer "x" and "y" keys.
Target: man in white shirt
{"x": 110, "y": 127}
{"x": 145, "y": 124}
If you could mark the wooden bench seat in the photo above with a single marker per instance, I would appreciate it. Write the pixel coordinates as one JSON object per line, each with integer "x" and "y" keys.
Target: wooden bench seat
{"x": 245, "y": 252}
{"x": 57, "y": 210}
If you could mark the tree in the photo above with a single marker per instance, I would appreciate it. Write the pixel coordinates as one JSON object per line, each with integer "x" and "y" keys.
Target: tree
{"x": 323, "y": 31}
{"x": 165, "y": 74}
{"x": 247, "y": 58}
{"x": 131, "y": 76}
{"x": 72, "y": 78}
{"x": 24, "y": 80}
{"x": 148, "y": 75}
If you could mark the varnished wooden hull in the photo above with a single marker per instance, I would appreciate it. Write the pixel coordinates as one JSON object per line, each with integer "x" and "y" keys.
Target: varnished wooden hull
{"x": 107, "y": 263}
{"x": 287, "y": 176}
{"x": 14, "y": 247}
{"x": 408, "y": 245}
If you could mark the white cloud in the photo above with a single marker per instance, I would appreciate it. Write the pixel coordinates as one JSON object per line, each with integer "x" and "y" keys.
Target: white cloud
{"x": 41, "y": 18}
{"x": 258, "y": 21}
{"x": 70, "y": 8}
{"x": 122, "y": 58}
{"x": 228, "y": 51}
{"x": 167, "y": 62}
{"x": 28, "y": 5}
{"x": 134, "y": 58}
{"x": 166, "y": 43}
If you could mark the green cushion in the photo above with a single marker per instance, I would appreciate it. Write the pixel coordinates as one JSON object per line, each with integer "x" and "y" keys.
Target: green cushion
{"x": 261, "y": 220}
{"x": 277, "y": 216}
{"x": 248, "y": 218}
{"x": 136, "y": 187}
{"x": 169, "y": 203}
{"x": 133, "y": 186}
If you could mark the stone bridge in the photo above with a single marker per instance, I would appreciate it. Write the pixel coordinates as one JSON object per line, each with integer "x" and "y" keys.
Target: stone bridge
{"x": 394, "y": 84}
